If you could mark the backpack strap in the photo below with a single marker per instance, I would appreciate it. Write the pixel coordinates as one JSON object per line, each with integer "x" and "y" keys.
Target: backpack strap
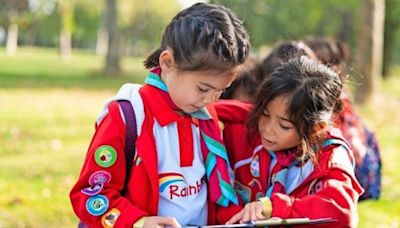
{"x": 130, "y": 136}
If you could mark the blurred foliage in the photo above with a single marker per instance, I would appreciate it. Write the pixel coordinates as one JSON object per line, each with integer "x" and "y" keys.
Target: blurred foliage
{"x": 141, "y": 22}
{"x": 273, "y": 20}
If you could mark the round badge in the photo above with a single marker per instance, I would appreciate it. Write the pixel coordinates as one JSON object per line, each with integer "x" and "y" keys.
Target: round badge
{"x": 108, "y": 220}
{"x": 255, "y": 167}
{"x": 105, "y": 156}
{"x": 100, "y": 177}
{"x": 97, "y": 205}
{"x": 93, "y": 189}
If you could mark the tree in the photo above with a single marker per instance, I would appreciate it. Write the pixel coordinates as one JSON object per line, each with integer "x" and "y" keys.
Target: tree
{"x": 369, "y": 51}
{"x": 392, "y": 23}
{"x": 66, "y": 10}
{"x": 274, "y": 20}
{"x": 13, "y": 9}
{"x": 112, "y": 65}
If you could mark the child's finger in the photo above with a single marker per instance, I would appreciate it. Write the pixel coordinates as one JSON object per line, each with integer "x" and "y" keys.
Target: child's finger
{"x": 253, "y": 211}
{"x": 168, "y": 221}
{"x": 246, "y": 214}
{"x": 259, "y": 211}
{"x": 235, "y": 218}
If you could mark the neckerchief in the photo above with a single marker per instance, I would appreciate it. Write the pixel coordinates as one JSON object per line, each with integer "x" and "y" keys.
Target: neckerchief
{"x": 217, "y": 166}
{"x": 278, "y": 175}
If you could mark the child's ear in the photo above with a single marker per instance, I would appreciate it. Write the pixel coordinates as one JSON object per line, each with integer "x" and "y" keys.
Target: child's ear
{"x": 166, "y": 60}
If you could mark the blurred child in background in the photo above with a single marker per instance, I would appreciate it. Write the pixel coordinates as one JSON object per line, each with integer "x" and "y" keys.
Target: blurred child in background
{"x": 362, "y": 140}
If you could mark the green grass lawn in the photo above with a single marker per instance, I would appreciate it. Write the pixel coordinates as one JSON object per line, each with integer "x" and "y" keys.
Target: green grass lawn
{"x": 47, "y": 113}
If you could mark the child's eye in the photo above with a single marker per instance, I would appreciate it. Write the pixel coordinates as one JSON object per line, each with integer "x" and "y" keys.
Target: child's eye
{"x": 202, "y": 90}
{"x": 284, "y": 127}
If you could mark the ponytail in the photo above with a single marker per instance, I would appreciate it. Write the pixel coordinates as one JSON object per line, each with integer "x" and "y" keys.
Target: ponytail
{"x": 153, "y": 59}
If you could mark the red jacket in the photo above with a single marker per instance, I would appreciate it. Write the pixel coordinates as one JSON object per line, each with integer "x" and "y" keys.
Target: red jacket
{"x": 330, "y": 190}
{"x": 142, "y": 194}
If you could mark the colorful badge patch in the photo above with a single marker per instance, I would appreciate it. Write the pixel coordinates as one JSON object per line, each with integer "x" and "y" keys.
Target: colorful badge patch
{"x": 93, "y": 189}
{"x": 100, "y": 177}
{"x": 97, "y": 205}
{"x": 105, "y": 156}
{"x": 255, "y": 167}
{"x": 108, "y": 220}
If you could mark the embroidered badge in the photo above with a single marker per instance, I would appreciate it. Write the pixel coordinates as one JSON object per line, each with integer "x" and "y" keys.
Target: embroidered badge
{"x": 255, "y": 167}
{"x": 105, "y": 156}
{"x": 97, "y": 205}
{"x": 100, "y": 177}
{"x": 108, "y": 219}
{"x": 93, "y": 189}
{"x": 243, "y": 191}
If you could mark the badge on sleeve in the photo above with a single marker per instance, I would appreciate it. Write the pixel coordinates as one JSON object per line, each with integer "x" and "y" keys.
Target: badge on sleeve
{"x": 97, "y": 205}
{"x": 108, "y": 220}
{"x": 92, "y": 190}
{"x": 99, "y": 177}
{"x": 105, "y": 156}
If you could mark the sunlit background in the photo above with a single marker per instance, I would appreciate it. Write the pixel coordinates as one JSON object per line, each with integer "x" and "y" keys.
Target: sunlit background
{"x": 55, "y": 76}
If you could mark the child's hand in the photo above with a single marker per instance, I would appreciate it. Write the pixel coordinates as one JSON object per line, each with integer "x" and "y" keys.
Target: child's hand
{"x": 158, "y": 221}
{"x": 252, "y": 211}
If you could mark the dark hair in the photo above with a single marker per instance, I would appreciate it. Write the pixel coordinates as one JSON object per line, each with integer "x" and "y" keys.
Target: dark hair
{"x": 249, "y": 79}
{"x": 331, "y": 53}
{"x": 283, "y": 53}
{"x": 204, "y": 37}
{"x": 312, "y": 91}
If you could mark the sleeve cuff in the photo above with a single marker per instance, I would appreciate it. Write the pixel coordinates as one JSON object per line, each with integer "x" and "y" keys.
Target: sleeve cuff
{"x": 139, "y": 223}
{"x": 267, "y": 206}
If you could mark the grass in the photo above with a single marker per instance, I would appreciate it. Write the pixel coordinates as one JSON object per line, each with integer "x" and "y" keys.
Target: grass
{"x": 47, "y": 113}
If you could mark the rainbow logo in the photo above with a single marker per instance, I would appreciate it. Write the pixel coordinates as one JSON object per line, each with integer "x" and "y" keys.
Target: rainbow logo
{"x": 166, "y": 179}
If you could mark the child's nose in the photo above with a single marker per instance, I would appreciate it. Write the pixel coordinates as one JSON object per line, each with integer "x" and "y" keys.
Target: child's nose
{"x": 268, "y": 129}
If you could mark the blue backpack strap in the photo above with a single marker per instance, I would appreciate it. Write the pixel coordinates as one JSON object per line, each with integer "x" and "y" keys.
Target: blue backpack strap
{"x": 130, "y": 136}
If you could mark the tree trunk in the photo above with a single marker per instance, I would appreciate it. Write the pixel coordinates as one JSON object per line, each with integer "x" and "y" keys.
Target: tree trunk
{"x": 370, "y": 44}
{"x": 102, "y": 41}
{"x": 65, "y": 44}
{"x": 112, "y": 59}
{"x": 388, "y": 47}
{"x": 12, "y": 39}
{"x": 391, "y": 27}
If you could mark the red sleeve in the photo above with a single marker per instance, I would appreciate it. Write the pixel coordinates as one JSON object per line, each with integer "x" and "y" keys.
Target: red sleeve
{"x": 104, "y": 170}
{"x": 232, "y": 110}
{"x": 337, "y": 198}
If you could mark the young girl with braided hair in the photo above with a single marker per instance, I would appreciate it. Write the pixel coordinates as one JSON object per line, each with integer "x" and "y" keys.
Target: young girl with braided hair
{"x": 180, "y": 173}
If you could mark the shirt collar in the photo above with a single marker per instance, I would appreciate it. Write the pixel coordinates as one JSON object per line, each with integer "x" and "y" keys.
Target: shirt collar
{"x": 161, "y": 109}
